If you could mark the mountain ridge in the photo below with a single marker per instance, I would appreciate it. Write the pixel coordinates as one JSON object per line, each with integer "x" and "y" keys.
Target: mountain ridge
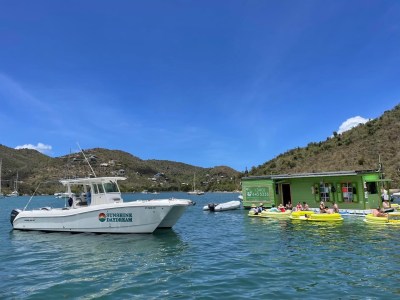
{"x": 34, "y": 167}
{"x": 370, "y": 146}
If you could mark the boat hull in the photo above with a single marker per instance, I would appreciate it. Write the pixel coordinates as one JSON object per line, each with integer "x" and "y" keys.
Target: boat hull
{"x": 173, "y": 216}
{"x": 124, "y": 218}
{"x": 178, "y": 208}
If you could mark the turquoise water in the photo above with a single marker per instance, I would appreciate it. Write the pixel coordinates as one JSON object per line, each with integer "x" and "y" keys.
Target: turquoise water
{"x": 224, "y": 255}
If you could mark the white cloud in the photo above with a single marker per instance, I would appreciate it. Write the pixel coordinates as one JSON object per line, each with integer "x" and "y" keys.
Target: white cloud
{"x": 350, "y": 123}
{"x": 39, "y": 147}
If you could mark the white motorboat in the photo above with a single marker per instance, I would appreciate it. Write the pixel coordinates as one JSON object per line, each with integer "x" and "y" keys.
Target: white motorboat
{"x": 102, "y": 210}
{"x": 222, "y": 206}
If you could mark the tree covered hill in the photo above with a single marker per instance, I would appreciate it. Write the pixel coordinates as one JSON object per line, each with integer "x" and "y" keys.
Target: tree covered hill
{"x": 33, "y": 168}
{"x": 357, "y": 149}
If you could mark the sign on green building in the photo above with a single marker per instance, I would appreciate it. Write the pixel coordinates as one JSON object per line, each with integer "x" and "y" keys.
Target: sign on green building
{"x": 257, "y": 193}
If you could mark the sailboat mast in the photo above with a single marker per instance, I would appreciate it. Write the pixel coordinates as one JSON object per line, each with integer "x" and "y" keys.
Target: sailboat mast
{"x": 16, "y": 184}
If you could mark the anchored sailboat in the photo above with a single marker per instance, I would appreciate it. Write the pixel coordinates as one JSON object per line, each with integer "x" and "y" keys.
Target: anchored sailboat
{"x": 195, "y": 192}
{"x": 15, "y": 192}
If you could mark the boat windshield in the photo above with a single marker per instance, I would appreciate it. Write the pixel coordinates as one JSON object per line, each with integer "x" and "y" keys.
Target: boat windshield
{"x": 111, "y": 187}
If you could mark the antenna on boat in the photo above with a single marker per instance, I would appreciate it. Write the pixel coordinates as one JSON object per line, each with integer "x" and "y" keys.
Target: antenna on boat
{"x": 87, "y": 160}
{"x": 68, "y": 174}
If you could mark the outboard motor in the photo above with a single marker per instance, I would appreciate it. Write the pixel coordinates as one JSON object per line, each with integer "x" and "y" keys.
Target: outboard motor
{"x": 211, "y": 206}
{"x": 14, "y": 213}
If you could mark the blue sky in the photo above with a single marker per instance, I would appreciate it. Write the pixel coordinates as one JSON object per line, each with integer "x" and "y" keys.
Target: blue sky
{"x": 206, "y": 83}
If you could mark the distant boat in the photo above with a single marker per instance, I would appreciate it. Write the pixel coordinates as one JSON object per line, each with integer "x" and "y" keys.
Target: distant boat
{"x": 195, "y": 192}
{"x": 63, "y": 195}
{"x": 15, "y": 192}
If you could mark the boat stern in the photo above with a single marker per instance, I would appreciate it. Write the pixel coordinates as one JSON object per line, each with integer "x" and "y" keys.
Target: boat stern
{"x": 13, "y": 215}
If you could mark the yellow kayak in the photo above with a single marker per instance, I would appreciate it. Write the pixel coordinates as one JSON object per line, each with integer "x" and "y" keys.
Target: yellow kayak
{"x": 253, "y": 214}
{"x": 300, "y": 213}
{"x": 276, "y": 214}
{"x": 393, "y": 218}
{"x": 322, "y": 217}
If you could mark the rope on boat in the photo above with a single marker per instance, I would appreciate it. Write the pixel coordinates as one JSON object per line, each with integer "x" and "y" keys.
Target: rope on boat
{"x": 36, "y": 191}
{"x": 32, "y": 196}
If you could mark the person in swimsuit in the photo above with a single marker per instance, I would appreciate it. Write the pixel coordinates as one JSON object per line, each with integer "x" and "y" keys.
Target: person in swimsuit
{"x": 378, "y": 213}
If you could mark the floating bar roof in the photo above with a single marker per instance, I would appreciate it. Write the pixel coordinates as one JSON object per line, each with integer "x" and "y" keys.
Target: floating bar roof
{"x": 305, "y": 175}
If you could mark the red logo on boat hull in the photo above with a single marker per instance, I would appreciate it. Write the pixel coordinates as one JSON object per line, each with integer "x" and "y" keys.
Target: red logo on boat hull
{"x": 102, "y": 217}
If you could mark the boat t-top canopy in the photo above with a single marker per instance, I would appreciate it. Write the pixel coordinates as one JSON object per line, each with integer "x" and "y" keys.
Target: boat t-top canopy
{"x": 97, "y": 190}
{"x": 90, "y": 180}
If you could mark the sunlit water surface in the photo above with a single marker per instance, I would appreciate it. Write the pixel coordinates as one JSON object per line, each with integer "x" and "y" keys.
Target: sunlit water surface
{"x": 205, "y": 256}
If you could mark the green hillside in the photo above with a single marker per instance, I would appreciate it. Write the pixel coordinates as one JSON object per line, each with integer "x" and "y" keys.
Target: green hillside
{"x": 152, "y": 175}
{"x": 357, "y": 149}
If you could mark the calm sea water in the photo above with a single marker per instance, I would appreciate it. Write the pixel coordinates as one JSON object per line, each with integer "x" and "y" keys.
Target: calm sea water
{"x": 224, "y": 255}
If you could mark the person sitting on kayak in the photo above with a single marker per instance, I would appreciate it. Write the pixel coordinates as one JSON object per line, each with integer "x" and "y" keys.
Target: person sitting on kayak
{"x": 335, "y": 208}
{"x": 299, "y": 207}
{"x": 322, "y": 207}
{"x": 305, "y": 206}
{"x": 274, "y": 209}
{"x": 281, "y": 208}
{"x": 254, "y": 209}
{"x": 386, "y": 206}
{"x": 378, "y": 213}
